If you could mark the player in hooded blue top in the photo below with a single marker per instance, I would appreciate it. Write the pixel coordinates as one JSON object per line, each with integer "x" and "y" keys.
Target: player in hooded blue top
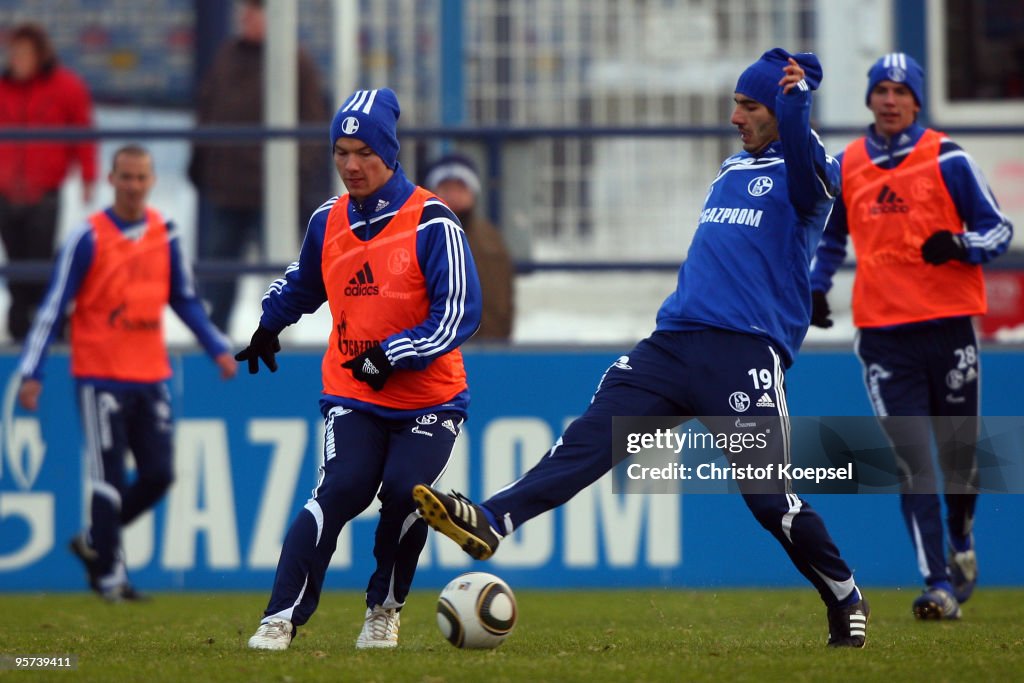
{"x": 747, "y": 268}
{"x": 723, "y": 341}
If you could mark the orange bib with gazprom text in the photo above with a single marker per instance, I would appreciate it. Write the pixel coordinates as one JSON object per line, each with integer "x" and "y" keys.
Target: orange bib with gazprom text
{"x": 375, "y": 288}
{"x": 890, "y": 213}
{"x": 117, "y": 325}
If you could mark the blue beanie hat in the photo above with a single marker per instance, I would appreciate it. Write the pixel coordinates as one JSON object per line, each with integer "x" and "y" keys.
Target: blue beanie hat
{"x": 760, "y": 81}
{"x": 370, "y": 116}
{"x": 897, "y": 67}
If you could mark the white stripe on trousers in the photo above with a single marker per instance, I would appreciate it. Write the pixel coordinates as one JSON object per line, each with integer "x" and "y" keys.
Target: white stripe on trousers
{"x": 779, "y": 375}
{"x": 98, "y": 436}
{"x": 840, "y": 589}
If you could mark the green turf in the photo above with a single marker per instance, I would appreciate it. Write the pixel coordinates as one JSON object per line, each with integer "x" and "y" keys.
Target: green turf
{"x": 645, "y": 635}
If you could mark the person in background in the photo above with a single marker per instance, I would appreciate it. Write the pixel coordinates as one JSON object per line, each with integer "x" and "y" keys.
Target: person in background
{"x": 229, "y": 176}
{"x": 116, "y": 274}
{"x": 922, "y": 220}
{"x": 454, "y": 179}
{"x": 36, "y": 91}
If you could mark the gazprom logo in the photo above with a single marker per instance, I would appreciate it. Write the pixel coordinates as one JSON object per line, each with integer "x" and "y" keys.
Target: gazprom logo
{"x": 350, "y": 125}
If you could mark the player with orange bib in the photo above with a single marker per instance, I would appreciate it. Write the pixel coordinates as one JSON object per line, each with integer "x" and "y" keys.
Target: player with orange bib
{"x": 922, "y": 220}
{"x": 392, "y": 263}
{"x": 120, "y": 270}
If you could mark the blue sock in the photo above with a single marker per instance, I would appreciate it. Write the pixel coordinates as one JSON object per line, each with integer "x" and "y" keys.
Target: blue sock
{"x": 961, "y": 543}
{"x": 944, "y": 585}
{"x": 852, "y": 599}
{"x": 492, "y": 520}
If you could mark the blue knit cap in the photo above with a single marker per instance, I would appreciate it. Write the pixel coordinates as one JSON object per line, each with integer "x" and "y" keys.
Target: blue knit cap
{"x": 897, "y": 67}
{"x": 760, "y": 81}
{"x": 370, "y": 116}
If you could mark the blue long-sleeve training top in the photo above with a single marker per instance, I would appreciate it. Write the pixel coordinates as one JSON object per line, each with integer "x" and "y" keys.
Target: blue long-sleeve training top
{"x": 747, "y": 268}
{"x": 442, "y": 252}
{"x": 72, "y": 266}
{"x": 987, "y": 229}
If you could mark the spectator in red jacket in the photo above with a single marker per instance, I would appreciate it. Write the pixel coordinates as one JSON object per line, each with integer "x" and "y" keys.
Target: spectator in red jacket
{"x": 35, "y": 91}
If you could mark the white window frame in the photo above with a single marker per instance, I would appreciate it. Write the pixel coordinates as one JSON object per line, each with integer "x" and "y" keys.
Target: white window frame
{"x": 940, "y": 108}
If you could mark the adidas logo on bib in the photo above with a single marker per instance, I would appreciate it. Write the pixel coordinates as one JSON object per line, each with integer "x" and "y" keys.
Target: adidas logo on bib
{"x": 888, "y": 201}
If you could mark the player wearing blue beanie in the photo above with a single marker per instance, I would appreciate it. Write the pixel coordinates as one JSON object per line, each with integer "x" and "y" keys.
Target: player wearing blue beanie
{"x": 370, "y": 116}
{"x": 923, "y": 221}
{"x": 394, "y": 266}
{"x": 897, "y": 67}
{"x": 723, "y": 341}
{"x": 760, "y": 80}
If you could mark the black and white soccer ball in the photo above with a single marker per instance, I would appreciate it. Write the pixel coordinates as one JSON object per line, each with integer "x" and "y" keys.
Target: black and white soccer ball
{"x": 476, "y": 611}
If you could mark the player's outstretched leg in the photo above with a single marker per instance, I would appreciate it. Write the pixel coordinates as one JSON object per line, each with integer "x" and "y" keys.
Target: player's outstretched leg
{"x": 848, "y": 626}
{"x": 458, "y": 518}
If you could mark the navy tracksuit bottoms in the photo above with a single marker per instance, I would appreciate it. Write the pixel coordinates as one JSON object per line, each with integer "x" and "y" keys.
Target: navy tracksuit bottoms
{"x": 364, "y": 455}
{"x": 118, "y": 418}
{"x": 923, "y": 381}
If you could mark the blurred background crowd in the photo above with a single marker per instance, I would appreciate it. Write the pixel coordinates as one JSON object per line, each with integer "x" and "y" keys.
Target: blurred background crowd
{"x": 583, "y": 132}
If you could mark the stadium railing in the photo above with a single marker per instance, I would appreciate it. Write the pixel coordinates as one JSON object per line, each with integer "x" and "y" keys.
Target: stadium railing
{"x": 492, "y": 138}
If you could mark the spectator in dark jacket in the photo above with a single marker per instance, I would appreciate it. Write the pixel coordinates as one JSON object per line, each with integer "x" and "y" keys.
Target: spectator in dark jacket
{"x": 36, "y": 91}
{"x": 230, "y": 176}
{"x": 454, "y": 179}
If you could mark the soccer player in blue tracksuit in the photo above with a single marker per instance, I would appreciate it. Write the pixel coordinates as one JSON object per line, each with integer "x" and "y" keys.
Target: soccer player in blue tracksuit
{"x": 392, "y": 262}
{"x": 116, "y": 274}
{"x": 723, "y": 340}
{"x": 923, "y": 220}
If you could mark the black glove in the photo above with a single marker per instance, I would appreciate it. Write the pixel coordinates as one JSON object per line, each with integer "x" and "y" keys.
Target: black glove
{"x": 820, "y": 311}
{"x": 371, "y": 366}
{"x": 263, "y": 345}
{"x": 943, "y": 246}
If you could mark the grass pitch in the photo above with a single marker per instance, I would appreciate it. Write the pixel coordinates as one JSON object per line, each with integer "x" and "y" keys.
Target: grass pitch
{"x": 595, "y": 636}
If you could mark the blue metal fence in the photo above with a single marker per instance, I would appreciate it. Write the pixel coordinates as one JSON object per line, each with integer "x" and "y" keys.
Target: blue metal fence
{"x": 493, "y": 139}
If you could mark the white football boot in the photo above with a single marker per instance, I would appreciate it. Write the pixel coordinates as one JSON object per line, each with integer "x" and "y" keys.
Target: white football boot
{"x": 273, "y": 634}
{"x": 380, "y": 629}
